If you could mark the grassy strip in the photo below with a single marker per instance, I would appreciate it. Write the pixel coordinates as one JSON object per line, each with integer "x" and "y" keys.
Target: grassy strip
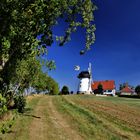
{"x": 88, "y": 125}
{"x": 20, "y": 128}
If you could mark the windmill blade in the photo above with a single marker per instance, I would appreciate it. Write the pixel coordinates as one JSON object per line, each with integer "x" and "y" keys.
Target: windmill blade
{"x": 77, "y": 68}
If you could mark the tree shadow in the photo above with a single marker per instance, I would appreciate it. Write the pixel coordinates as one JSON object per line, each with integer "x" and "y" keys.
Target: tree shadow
{"x": 10, "y": 131}
{"x": 30, "y": 115}
{"x": 27, "y": 112}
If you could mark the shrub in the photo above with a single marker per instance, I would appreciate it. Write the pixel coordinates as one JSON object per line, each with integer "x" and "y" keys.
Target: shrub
{"x": 3, "y": 107}
{"x": 137, "y": 89}
{"x": 20, "y": 103}
{"x": 6, "y": 126}
{"x": 65, "y": 90}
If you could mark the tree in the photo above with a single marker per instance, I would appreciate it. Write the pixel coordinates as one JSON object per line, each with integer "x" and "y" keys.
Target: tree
{"x": 22, "y": 21}
{"x": 26, "y": 72}
{"x": 71, "y": 92}
{"x": 52, "y": 86}
{"x": 121, "y": 87}
{"x": 65, "y": 90}
{"x": 100, "y": 89}
{"x": 137, "y": 89}
{"x": 46, "y": 83}
{"x": 26, "y": 31}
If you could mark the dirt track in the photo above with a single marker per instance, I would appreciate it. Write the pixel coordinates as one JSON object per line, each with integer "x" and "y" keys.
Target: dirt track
{"x": 48, "y": 123}
{"x": 77, "y": 118}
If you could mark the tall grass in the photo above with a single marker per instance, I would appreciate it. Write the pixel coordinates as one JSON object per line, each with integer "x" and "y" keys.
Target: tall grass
{"x": 85, "y": 122}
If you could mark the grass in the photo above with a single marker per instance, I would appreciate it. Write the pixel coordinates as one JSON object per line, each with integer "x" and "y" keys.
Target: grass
{"x": 86, "y": 122}
{"x": 78, "y": 117}
{"x": 120, "y": 114}
{"x": 23, "y": 121}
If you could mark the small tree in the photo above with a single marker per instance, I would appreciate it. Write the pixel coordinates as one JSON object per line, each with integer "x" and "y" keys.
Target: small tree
{"x": 100, "y": 89}
{"x": 137, "y": 89}
{"x": 71, "y": 92}
{"x": 65, "y": 90}
{"x": 121, "y": 87}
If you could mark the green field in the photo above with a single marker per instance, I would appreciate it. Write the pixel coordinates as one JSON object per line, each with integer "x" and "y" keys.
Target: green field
{"x": 77, "y": 117}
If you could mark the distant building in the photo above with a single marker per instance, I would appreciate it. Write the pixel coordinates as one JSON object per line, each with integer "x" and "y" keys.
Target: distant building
{"x": 108, "y": 86}
{"x": 127, "y": 91}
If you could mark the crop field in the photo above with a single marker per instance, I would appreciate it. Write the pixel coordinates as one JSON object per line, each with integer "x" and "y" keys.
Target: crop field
{"x": 77, "y": 117}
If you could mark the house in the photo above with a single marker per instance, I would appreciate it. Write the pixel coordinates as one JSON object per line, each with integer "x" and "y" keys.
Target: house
{"x": 108, "y": 86}
{"x": 127, "y": 91}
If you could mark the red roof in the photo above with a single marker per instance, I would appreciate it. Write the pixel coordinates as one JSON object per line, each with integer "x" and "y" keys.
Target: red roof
{"x": 107, "y": 85}
{"x": 127, "y": 90}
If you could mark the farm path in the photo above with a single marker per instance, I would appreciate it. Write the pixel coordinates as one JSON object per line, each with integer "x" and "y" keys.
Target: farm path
{"x": 49, "y": 124}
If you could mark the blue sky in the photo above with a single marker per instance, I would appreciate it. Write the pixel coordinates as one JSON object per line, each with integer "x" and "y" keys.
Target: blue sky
{"x": 115, "y": 54}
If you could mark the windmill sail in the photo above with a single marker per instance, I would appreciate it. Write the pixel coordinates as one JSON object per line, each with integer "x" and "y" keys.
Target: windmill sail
{"x": 77, "y": 68}
{"x": 90, "y": 80}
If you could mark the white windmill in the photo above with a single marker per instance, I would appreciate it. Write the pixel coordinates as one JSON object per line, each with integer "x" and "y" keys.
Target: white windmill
{"x": 85, "y": 81}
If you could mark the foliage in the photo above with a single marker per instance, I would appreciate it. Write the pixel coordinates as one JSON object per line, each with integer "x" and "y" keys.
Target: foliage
{"x": 6, "y": 126}
{"x": 43, "y": 82}
{"x": 26, "y": 70}
{"x": 71, "y": 92}
{"x": 20, "y": 103}
{"x": 3, "y": 107}
{"x": 65, "y": 90}
{"x": 22, "y": 21}
{"x": 52, "y": 86}
{"x": 137, "y": 89}
{"x": 121, "y": 87}
{"x": 100, "y": 89}
{"x": 29, "y": 74}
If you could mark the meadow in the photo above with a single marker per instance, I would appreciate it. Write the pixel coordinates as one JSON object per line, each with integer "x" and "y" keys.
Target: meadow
{"x": 77, "y": 117}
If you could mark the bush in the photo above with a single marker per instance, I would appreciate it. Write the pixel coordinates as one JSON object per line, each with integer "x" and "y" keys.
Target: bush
{"x": 20, "y": 103}
{"x": 65, "y": 90}
{"x": 137, "y": 89}
{"x": 3, "y": 107}
{"x": 6, "y": 126}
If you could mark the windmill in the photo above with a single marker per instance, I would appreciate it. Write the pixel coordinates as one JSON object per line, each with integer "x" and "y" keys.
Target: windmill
{"x": 85, "y": 81}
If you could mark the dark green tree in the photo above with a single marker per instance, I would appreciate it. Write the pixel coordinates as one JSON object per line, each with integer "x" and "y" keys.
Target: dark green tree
{"x": 137, "y": 89}
{"x": 100, "y": 89}
{"x": 65, "y": 90}
{"x": 121, "y": 87}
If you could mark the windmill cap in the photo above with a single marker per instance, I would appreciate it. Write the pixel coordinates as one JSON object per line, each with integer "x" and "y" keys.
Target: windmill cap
{"x": 84, "y": 74}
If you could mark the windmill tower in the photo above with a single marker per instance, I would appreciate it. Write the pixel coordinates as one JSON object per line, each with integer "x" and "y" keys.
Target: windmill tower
{"x": 85, "y": 81}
